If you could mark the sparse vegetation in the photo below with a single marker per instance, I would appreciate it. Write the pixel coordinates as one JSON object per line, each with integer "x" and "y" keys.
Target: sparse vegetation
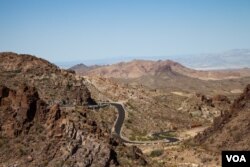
{"x": 151, "y": 115}
{"x": 156, "y": 153}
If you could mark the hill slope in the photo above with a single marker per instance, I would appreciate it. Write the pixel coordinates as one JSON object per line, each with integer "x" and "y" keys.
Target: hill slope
{"x": 140, "y": 68}
{"x": 35, "y": 133}
{"x": 83, "y": 69}
{"x": 53, "y": 84}
{"x": 231, "y": 130}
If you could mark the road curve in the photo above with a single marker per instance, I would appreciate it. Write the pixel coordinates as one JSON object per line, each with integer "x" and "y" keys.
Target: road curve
{"x": 120, "y": 119}
{"x": 119, "y": 123}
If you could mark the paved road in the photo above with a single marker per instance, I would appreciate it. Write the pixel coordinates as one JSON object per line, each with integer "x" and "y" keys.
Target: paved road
{"x": 119, "y": 123}
{"x": 120, "y": 119}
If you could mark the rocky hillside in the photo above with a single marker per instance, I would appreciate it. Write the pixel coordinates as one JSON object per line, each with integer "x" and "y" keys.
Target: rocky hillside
{"x": 40, "y": 125}
{"x": 53, "y": 84}
{"x": 140, "y": 68}
{"x": 148, "y": 111}
{"x": 199, "y": 105}
{"x": 34, "y": 134}
{"x": 231, "y": 130}
{"x": 134, "y": 69}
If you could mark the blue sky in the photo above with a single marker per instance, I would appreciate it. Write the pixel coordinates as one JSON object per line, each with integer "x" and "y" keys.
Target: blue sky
{"x": 74, "y": 30}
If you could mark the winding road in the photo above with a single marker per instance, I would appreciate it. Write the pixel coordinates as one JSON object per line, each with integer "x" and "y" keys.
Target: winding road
{"x": 119, "y": 123}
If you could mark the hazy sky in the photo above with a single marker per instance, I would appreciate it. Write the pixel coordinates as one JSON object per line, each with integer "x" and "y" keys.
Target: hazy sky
{"x": 69, "y": 30}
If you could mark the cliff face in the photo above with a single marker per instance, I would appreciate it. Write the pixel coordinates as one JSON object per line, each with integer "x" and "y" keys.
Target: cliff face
{"x": 34, "y": 134}
{"x": 231, "y": 130}
{"x": 54, "y": 85}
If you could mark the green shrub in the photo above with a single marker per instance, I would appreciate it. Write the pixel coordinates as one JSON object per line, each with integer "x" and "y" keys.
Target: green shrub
{"x": 156, "y": 153}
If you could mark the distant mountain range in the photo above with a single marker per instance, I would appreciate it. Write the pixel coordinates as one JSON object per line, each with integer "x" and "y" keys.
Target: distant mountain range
{"x": 232, "y": 59}
{"x": 142, "y": 68}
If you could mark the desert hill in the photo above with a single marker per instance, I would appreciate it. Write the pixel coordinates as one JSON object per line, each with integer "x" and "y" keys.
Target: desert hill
{"x": 34, "y": 134}
{"x": 141, "y": 68}
{"x": 231, "y": 130}
{"x": 134, "y": 69}
{"x": 23, "y": 63}
{"x": 44, "y": 120}
{"x": 81, "y": 66}
{"x": 170, "y": 76}
{"x": 83, "y": 69}
{"x": 53, "y": 84}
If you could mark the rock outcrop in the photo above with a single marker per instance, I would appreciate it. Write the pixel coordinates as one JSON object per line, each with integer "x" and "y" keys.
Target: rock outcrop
{"x": 40, "y": 124}
{"x": 230, "y": 131}
{"x": 32, "y": 134}
{"x": 53, "y": 84}
{"x": 199, "y": 105}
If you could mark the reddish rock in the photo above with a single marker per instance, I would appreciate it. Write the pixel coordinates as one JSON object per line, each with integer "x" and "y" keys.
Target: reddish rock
{"x": 41, "y": 136}
{"x": 230, "y": 131}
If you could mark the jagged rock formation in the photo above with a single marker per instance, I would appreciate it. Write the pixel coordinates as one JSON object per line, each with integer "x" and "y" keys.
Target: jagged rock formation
{"x": 53, "y": 84}
{"x": 230, "y": 131}
{"x": 32, "y": 134}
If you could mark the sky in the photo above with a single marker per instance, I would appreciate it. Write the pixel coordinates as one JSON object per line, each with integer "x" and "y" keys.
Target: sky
{"x": 89, "y": 30}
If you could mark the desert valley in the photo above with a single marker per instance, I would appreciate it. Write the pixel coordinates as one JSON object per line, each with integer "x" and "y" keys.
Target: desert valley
{"x": 137, "y": 113}
{"x": 124, "y": 83}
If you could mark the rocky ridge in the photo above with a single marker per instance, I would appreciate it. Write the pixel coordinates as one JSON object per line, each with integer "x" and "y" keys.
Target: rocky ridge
{"x": 44, "y": 120}
{"x": 54, "y": 85}
{"x": 34, "y": 134}
{"x": 230, "y": 131}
